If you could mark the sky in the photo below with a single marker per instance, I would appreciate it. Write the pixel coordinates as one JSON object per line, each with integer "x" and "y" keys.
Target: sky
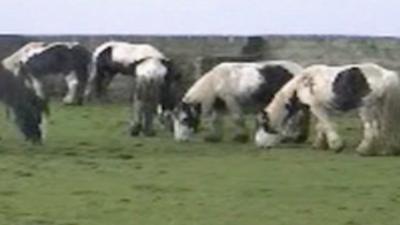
{"x": 201, "y": 17}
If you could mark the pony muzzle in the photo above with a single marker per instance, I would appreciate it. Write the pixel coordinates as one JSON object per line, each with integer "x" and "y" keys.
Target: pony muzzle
{"x": 264, "y": 139}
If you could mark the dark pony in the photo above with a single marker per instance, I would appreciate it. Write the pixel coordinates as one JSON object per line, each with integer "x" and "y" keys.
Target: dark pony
{"x": 28, "y": 109}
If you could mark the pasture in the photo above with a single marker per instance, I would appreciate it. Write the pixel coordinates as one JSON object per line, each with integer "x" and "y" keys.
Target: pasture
{"x": 90, "y": 172}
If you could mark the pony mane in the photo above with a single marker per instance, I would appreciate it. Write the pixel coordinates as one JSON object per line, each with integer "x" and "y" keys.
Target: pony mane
{"x": 292, "y": 67}
{"x": 202, "y": 90}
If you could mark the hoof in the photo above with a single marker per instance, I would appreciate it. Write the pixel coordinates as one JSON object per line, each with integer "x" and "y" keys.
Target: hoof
{"x": 320, "y": 146}
{"x": 365, "y": 151}
{"x": 212, "y": 138}
{"x": 135, "y": 130}
{"x": 73, "y": 104}
{"x": 150, "y": 133}
{"x": 68, "y": 101}
{"x": 241, "y": 138}
{"x": 320, "y": 143}
{"x": 337, "y": 146}
{"x": 79, "y": 102}
{"x": 371, "y": 153}
{"x": 339, "y": 149}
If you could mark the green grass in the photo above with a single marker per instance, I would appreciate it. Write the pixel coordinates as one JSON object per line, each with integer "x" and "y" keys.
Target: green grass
{"x": 90, "y": 172}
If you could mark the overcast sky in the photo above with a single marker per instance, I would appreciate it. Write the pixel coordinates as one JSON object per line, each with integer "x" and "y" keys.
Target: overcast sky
{"x": 242, "y": 17}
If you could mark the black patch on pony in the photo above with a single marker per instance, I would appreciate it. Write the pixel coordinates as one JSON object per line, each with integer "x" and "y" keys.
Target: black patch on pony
{"x": 275, "y": 77}
{"x": 219, "y": 104}
{"x": 293, "y": 106}
{"x": 350, "y": 86}
{"x": 192, "y": 113}
{"x": 60, "y": 59}
{"x": 263, "y": 121}
{"x": 105, "y": 64}
{"x": 296, "y": 110}
{"x": 107, "y": 68}
{"x": 25, "y": 104}
{"x": 171, "y": 90}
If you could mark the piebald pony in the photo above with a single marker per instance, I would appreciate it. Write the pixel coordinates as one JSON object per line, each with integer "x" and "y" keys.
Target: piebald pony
{"x": 370, "y": 88}
{"x": 154, "y": 76}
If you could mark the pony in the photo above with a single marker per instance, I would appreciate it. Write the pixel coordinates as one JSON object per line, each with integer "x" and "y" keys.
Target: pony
{"x": 38, "y": 60}
{"x": 29, "y": 109}
{"x": 155, "y": 79}
{"x": 327, "y": 90}
{"x": 234, "y": 86}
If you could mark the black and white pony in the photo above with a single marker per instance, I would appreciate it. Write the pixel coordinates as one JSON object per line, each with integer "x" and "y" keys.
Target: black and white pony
{"x": 26, "y": 107}
{"x": 369, "y": 88}
{"x": 235, "y": 86}
{"x": 154, "y": 80}
{"x": 38, "y": 60}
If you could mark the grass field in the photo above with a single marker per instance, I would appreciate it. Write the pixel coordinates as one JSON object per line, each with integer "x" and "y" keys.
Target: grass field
{"x": 90, "y": 172}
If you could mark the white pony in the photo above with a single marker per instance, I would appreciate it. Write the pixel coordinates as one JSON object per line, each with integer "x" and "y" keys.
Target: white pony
{"x": 373, "y": 90}
{"x": 235, "y": 86}
{"x": 153, "y": 73}
{"x": 38, "y": 59}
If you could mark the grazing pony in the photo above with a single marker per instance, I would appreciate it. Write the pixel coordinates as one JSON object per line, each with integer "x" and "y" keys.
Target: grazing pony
{"x": 234, "y": 86}
{"x": 369, "y": 88}
{"x": 27, "y": 108}
{"x": 38, "y": 59}
{"x": 154, "y": 75}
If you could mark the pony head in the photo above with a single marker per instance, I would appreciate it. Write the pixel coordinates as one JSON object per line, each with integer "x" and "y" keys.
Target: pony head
{"x": 27, "y": 107}
{"x": 266, "y": 136}
{"x": 186, "y": 120}
{"x": 284, "y": 120}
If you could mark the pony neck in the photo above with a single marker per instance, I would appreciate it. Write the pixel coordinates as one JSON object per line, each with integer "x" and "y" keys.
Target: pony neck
{"x": 200, "y": 92}
{"x": 277, "y": 108}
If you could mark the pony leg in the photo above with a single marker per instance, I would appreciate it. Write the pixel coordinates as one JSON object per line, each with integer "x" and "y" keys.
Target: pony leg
{"x": 99, "y": 84}
{"x": 148, "y": 112}
{"x": 72, "y": 84}
{"x": 371, "y": 132}
{"x": 327, "y": 128}
{"x": 82, "y": 83}
{"x": 240, "y": 134}
{"x": 43, "y": 126}
{"x": 137, "y": 117}
{"x": 215, "y": 123}
{"x": 320, "y": 141}
{"x": 91, "y": 81}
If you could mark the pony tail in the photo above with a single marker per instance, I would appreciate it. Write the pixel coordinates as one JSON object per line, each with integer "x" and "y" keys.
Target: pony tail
{"x": 390, "y": 122}
{"x": 91, "y": 84}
